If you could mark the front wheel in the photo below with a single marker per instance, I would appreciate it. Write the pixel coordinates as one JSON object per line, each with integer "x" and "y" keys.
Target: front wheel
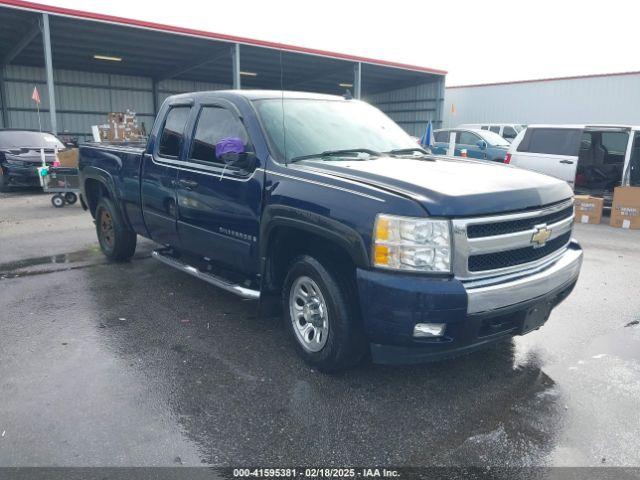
{"x": 117, "y": 240}
{"x": 321, "y": 313}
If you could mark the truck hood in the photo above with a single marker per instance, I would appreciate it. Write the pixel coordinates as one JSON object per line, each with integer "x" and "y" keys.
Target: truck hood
{"x": 451, "y": 187}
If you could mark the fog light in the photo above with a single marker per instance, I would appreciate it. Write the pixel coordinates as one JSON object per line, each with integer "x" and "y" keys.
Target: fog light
{"x": 429, "y": 330}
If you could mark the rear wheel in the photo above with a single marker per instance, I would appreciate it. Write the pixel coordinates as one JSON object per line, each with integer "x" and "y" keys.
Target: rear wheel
{"x": 57, "y": 201}
{"x": 322, "y": 316}
{"x": 117, "y": 240}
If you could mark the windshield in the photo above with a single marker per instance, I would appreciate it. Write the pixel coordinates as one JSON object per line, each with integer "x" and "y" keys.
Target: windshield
{"x": 314, "y": 126}
{"x": 20, "y": 139}
{"x": 493, "y": 138}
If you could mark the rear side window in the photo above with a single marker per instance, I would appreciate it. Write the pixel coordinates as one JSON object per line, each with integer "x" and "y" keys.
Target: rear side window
{"x": 441, "y": 137}
{"x": 216, "y": 124}
{"x": 173, "y": 132}
{"x": 484, "y": 127}
{"x": 552, "y": 141}
{"x": 494, "y": 129}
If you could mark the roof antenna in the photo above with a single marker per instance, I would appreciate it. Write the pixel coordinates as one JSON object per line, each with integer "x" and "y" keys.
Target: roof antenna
{"x": 347, "y": 95}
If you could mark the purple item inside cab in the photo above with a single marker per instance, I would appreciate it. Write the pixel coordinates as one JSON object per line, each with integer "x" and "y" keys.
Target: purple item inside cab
{"x": 229, "y": 145}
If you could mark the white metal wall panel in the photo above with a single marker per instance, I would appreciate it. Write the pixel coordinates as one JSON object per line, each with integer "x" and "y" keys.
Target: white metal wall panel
{"x": 612, "y": 99}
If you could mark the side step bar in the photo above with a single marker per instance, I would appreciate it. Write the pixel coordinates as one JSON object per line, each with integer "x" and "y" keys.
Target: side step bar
{"x": 207, "y": 277}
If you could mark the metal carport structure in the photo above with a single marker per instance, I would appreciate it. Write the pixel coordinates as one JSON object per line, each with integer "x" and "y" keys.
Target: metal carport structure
{"x": 139, "y": 64}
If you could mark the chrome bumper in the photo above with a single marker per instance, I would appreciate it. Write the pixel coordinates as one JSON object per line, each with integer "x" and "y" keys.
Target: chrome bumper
{"x": 500, "y": 292}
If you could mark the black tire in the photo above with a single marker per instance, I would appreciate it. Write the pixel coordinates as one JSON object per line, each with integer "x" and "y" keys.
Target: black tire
{"x": 57, "y": 201}
{"x": 4, "y": 183}
{"x": 70, "y": 198}
{"x": 117, "y": 240}
{"x": 345, "y": 342}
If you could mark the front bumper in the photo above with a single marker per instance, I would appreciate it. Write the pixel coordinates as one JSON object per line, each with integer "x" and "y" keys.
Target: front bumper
{"x": 476, "y": 313}
{"x": 21, "y": 176}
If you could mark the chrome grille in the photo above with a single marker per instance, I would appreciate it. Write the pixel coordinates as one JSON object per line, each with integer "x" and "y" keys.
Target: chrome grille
{"x": 504, "y": 244}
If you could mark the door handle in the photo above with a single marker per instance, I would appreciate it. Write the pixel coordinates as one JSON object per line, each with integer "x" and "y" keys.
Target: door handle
{"x": 188, "y": 184}
{"x": 567, "y": 162}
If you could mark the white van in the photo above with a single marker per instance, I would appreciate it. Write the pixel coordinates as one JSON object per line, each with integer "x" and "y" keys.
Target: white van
{"x": 593, "y": 159}
{"x": 508, "y": 131}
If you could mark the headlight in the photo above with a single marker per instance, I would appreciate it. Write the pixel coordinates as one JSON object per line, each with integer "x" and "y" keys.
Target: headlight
{"x": 413, "y": 244}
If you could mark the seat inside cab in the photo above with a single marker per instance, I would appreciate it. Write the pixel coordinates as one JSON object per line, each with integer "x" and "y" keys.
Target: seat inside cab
{"x": 601, "y": 162}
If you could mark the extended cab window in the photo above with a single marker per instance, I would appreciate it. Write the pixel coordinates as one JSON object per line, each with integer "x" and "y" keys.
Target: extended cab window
{"x": 173, "y": 132}
{"x": 552, "y": 141}
{"x": 214, "y": 125}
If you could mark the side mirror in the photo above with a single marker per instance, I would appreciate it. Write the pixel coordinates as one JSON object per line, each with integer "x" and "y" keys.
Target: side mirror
{"x": 231, "y": 151}
{"x": 243, "y": 161}
{"x": 482, "y": 145}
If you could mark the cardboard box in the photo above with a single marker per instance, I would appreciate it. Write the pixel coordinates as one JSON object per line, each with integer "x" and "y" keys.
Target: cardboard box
{"x": 588, "y": 209}
{"x": 625, "y": 212}
{"x": 68, "y": 158}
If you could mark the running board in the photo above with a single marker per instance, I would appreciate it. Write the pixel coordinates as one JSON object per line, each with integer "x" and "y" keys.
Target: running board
{"x": 207, "y": 277}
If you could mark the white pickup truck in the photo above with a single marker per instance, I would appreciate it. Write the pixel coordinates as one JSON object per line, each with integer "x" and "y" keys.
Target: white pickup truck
{"x": 593, "y": 159}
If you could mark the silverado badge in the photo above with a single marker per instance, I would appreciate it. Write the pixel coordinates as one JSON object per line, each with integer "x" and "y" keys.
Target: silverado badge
{"x": 540, "y": 236}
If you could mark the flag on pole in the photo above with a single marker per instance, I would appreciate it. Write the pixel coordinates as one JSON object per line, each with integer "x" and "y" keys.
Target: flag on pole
{"x": 35, "y": 96}
{"x": 427, "y": 138}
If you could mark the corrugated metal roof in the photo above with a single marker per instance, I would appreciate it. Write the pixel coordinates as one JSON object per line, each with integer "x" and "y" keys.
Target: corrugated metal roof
{"x": 32, "y": 6}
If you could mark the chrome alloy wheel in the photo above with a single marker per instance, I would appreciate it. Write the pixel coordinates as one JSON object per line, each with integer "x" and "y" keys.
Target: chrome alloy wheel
{"x": 309, "y": 315}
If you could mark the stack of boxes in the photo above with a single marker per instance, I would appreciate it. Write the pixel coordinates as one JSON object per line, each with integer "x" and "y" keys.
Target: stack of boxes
{"x": 120, "y": 127}
{"x": 625, "y": 210}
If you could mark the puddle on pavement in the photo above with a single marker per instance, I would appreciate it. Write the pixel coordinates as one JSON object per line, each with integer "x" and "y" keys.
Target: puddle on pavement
{"x": 53, "y": 263}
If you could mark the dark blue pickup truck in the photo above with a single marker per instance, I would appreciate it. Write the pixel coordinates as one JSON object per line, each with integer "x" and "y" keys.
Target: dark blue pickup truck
{"x": 324, "y": 207}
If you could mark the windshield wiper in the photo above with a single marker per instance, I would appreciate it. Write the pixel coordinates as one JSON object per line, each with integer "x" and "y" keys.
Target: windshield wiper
{"x": 337, "y": 153}
{"x": 407, "y": 151}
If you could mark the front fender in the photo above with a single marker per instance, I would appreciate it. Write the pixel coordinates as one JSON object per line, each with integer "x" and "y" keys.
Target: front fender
{"x": 344, "y": 236}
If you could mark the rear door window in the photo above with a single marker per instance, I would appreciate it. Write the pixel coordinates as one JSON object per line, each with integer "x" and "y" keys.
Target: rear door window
{"x": 173, "y": 132}
{"x": 552, "y": 141}
{"x": 494, "y": 129}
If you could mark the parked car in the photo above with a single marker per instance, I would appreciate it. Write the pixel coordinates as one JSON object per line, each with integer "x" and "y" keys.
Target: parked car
{"x": 20, "y": 156}
{"x": 508, "y": 131}
{"x": 593, "y": 159}
{"x": 478, "y": 144}
{"x": 366, "y": 242}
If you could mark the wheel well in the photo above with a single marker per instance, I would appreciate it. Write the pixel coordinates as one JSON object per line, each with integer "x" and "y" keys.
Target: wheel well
{"x": 94, "y": 190}
{"x": 287, "y": 243}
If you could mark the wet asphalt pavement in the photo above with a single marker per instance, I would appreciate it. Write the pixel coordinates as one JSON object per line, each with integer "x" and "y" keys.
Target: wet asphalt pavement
{"x": 137, "y": 364}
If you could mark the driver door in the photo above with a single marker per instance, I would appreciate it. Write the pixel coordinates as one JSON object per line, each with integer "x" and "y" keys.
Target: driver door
{"x": 219, "y": 205}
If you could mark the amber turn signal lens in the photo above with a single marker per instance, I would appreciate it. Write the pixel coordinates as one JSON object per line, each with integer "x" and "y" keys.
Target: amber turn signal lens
{"x": 382, "y": 255}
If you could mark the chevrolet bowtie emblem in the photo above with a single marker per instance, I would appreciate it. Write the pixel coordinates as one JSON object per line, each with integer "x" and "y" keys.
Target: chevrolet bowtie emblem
{"x": 540, "y": 236}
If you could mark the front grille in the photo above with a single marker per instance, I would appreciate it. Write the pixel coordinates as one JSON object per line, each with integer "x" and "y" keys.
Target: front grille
{"x": 512, "y": 226}
{"x": 510, "y": 258}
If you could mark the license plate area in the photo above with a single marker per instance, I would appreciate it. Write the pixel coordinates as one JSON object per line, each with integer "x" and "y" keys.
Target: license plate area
{"x": 535, "y": 317}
